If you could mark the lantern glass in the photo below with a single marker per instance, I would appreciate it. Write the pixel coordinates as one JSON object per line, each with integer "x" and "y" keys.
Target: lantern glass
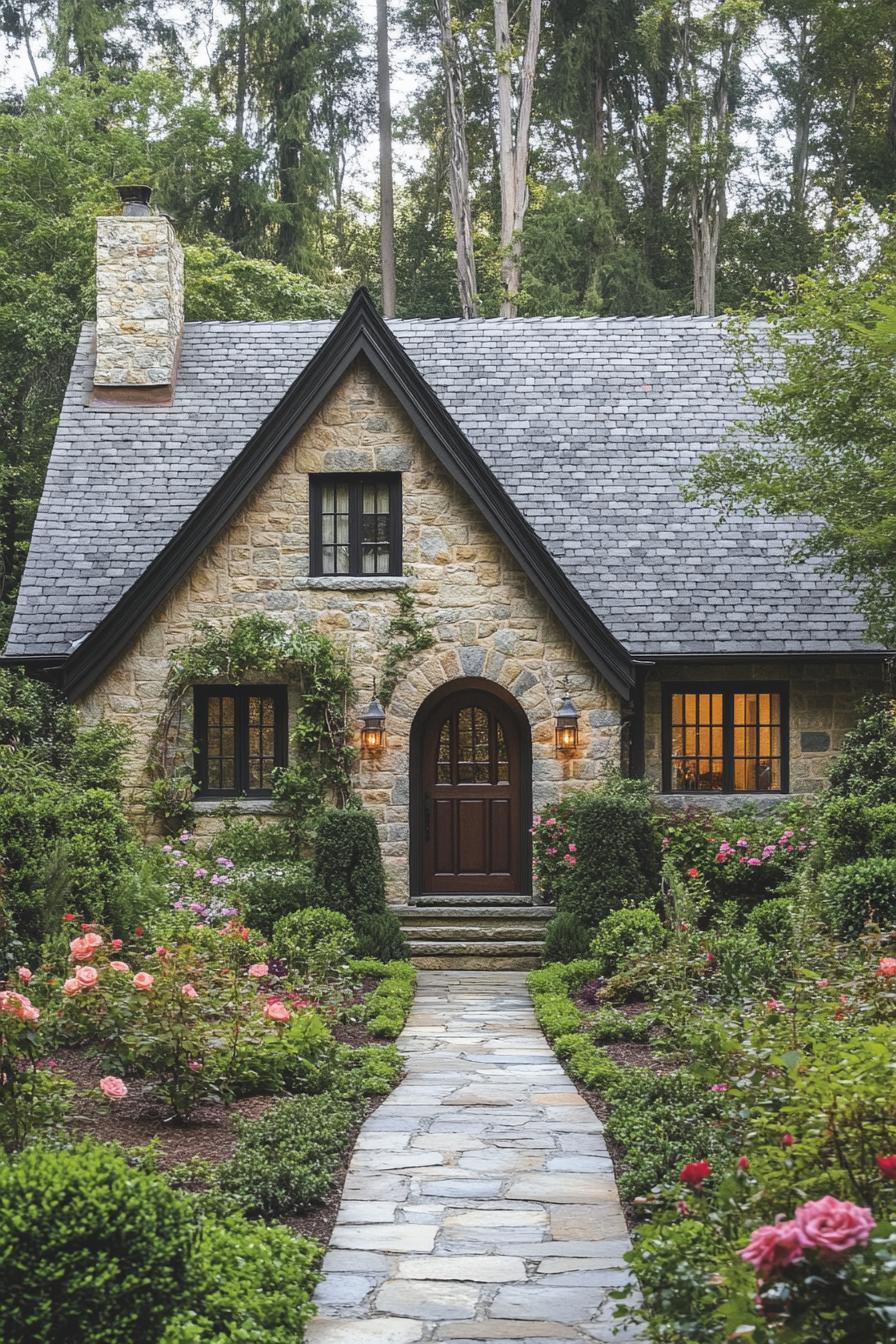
{"x": 373, "y": 726}
{"x": 372, "y": 738}
{"x": 566, "y": 724}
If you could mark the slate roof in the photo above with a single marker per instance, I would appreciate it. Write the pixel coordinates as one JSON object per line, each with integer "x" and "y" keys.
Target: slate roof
{"x": 589, "y": 424}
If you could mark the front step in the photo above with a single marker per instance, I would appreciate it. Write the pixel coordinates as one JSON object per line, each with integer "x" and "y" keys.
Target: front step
{"x": 473, "y": 898}
{"x": 489, "y": 934}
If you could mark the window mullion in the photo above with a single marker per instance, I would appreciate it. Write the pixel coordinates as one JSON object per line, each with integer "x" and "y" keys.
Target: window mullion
{"x": 240, "y": 740}
{"x": 354, "y": 525}
{"x": 727, "y": 741}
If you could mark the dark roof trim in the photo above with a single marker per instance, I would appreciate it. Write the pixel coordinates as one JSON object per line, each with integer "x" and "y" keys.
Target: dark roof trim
{"x": 360, "y": 332}
{"x": 831, "y": 655}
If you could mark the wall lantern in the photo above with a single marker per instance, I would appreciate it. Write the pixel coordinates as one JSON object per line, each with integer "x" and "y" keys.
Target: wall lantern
{"x": 566, "y": 722}
{"x": 373, "y": 725}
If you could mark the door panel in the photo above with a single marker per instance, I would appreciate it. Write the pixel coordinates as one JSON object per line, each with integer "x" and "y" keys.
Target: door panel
{"x": 473, "y": 790}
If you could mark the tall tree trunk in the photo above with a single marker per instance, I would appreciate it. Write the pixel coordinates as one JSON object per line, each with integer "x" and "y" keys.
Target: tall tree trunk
{"x": 513, "y": 147}
{"x": 891, "y": 123}
{"x": 802, "y": 121}
{"x": 236, "y": 215}
{"x": 458, "y": 165}
{"x": 705, "y": 219}
{"x": 387, "y": 201}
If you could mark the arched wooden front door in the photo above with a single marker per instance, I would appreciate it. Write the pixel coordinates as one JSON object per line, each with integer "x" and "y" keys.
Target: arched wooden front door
{"x": 474, "y": 764}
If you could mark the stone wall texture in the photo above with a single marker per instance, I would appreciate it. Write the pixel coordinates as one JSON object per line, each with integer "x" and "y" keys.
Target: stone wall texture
{"x": 139, "y": 301}
{"x": 489, "y": 621}
{"x": 824, "y": 698}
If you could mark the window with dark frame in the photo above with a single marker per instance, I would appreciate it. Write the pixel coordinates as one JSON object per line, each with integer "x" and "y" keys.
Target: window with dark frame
{"x": 725, "y": 739}
{"x": 356, "y": 525}
{"x": 240, "y": 735}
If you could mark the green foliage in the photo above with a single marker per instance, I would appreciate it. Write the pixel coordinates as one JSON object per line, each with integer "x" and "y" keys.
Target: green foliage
{"x": 221, "y": 285}
{"x": 299, "y": 1057}
{"x": 675, "y": 1263}
{"x": 617, "y": 855}
{"x": 35, "y": 718}
{"x": 348, "y": 864}
{"x": 382, "y": 937}
{"x": 854, "y": 829}
{"x": 95, "y": 760}
{"x": 248, "y": 1282}
{"x": 259, "y": 646}
{"x": 608, "y": 1025}
{"x": 387, "y": 1007}
{"x": 560, "y": 979}
{"x": 772, "y": 922}
{"x": 270, "y": 891}
{"x": 556, "y": 1015}
{"x": 285, "y": 1161}
{"x": 866, "y": 764}
{"x": 406, "y": 636}
{"x": 566, "y": 938}
{"x": 369, "y": 1071}
{"x": 625, "y": 935}
{"x": 82, "y": 1216}
{"x": 251, "y": 843}
{"x": 315, "y": 943}
{"x": 860, "y": 892}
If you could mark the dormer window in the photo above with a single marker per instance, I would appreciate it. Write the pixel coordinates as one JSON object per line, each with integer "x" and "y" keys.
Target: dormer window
{"x": 356, "y": 525}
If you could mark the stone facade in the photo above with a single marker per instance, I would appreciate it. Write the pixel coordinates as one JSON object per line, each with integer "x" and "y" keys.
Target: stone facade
{"x": 489, "y": 621}
{"x": 139, "y": 301}
{"x": 823, "y": 697}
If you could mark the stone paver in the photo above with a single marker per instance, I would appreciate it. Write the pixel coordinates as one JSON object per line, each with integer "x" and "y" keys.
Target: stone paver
{"x": 480, "y": 1202}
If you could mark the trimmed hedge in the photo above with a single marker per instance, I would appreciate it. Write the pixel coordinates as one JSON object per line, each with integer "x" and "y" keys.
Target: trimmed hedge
{"x": 566, "y": 938}
{"x": 90, "y": 1249}
{"x": 382, "y": 937}
{"x": 625, "y": 934}
{"x": 860, "y": 892}
{"x": 386, "y": 1009}
{"x": 617, "y": 855}
{"x": 853, "y": 829}
{"x": 348, "y": 866}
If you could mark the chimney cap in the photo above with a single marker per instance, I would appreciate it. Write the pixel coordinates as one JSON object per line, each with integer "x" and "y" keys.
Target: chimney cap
{"x": 134, "y": 199}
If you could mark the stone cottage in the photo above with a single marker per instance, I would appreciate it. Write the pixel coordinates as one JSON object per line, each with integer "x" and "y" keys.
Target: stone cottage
{"x": 520, "y": 477}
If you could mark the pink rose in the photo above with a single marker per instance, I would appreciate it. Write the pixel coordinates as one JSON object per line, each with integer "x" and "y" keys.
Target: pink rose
{"x": 773, "y": 1247}
{"x": 276, "y": 1012}
{"x": 833, "y": 1226}
{"x": 774, "y": 1005}
{"x": 24, "y": 974}
{"x": 83, "y": 948}
{"x": 119, "y": 966}
{"x": 887, "y": 966}
{"x": 195, "y": 1066}
{"x": 87, "y": 976}
{"x": 113, "y": 1088}
{"x": 115, "y": 944}
{"x": 257, "y": 970}
{"x": 143, "y": 980}
{"x": 18, "y": 1006}
{"x": 189, "y": 992}
{"x": 71, "y": 987}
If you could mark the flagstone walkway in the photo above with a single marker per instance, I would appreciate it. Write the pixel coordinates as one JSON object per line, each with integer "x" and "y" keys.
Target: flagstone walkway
{"x": 480, "y": 1202}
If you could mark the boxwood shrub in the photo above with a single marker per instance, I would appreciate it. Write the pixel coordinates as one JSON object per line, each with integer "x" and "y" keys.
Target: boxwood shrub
{"x": 348, "y": 865}
{"x": 566, "y": 938}
{"x": 617, "y": 855}
{"x": 859, "y": 892}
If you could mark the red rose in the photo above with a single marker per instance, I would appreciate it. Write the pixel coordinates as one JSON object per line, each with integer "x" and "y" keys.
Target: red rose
{"x": 693, "y": 872}
{"x": 695, "y": 1173}
{"x": 743, "y": 1163}
{"x": 710, "y": 958}
{"x": 888, "y": 1166}
{"x": 786, "y": 1140}
{"x": 138, "y": 933}
{"x": 68, "y": 917}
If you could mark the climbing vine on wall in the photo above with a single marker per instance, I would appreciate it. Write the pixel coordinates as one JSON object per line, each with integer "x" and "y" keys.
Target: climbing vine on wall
{"x": 256, "y": 648}
{"x": 407, "y": 634}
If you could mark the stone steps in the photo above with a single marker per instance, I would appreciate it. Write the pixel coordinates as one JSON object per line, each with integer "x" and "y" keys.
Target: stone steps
{"x": 485, "y": 934}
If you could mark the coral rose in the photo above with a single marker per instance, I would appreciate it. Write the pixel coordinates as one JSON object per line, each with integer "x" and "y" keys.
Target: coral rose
{"x": 833, "y": 1226}
{"x": 83, "y": 948}
{"x": 71, "y": 986}
{"x": 113, "y": 1088}
{"x": 119, "y": 966}
{"x": 887, "y": 966}
{"x": 773, "y": 1247}
{"x": 258, "y": 969}
{"x": 87, "y": 976}
{"x": 24, "y": 974}
{"x": 18, "y": 1005}
{"x": 695, "y": 1173}
{"x": 189, "y": 992}
{"x": 277, "y": 1012}
{"x": 116, "y": 944}
{"x": 888, "y": 1166}
{"x": 143, "y": 980}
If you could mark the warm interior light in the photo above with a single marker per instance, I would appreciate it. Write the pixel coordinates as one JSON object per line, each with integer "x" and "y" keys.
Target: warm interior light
{"x": 566, "y": 723}
{"x": 373, "y": 725}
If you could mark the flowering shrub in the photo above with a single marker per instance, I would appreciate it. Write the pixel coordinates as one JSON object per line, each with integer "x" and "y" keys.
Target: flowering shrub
{"x": 202, "y": 885}
{"x": 741, "y": 855}
{"x": 32, "y": 1100}
{"x": 185, "y": 1021}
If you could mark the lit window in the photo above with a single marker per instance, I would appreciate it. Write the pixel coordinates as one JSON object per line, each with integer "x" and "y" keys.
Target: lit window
{"x": 725, "y": 739}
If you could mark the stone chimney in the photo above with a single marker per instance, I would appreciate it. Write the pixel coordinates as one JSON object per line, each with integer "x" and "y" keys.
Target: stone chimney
{"x": 139, "y": 302}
